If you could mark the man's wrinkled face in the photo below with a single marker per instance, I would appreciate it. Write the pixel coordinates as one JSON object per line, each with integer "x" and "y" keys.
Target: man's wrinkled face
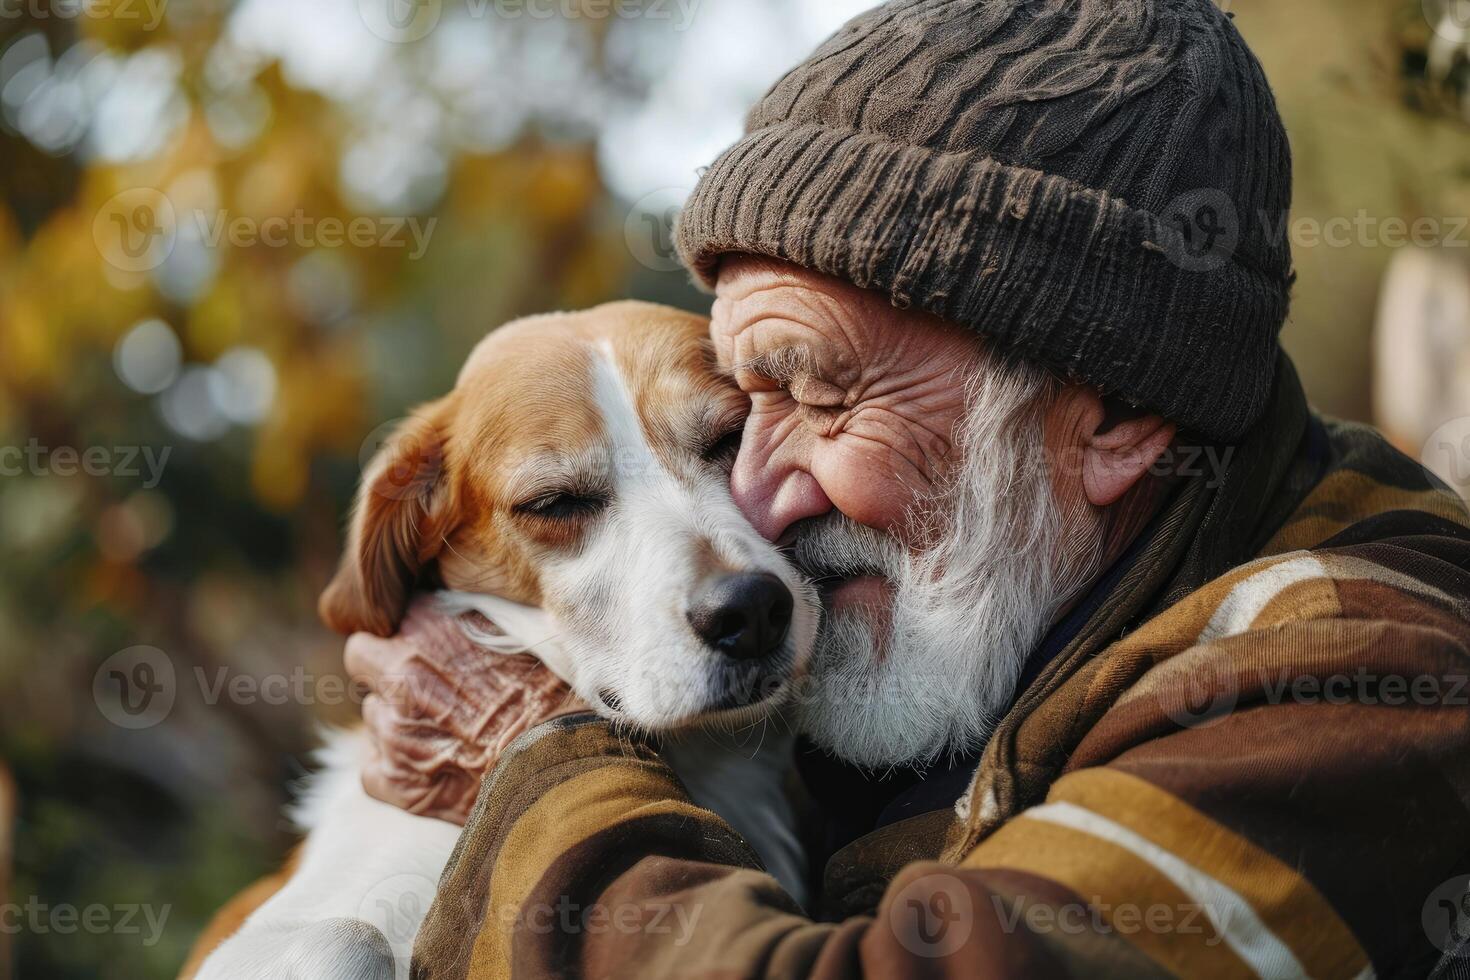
{"x": 905, "y": 471}
{"x": 853, "y": 403}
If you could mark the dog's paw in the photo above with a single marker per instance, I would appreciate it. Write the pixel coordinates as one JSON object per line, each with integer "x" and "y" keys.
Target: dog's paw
{"x": 349, "y": 949}
{"x": 339, "y": 948}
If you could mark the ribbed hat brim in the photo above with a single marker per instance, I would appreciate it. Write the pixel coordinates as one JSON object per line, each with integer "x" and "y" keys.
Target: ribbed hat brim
{"x": 1061, "y": 274}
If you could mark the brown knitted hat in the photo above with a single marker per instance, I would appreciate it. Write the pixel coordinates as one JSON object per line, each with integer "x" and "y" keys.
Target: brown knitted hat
{"x": 1091, "y": 184}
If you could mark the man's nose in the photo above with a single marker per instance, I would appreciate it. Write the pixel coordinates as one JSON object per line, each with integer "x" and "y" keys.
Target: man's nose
{"x": 772, "y": 495}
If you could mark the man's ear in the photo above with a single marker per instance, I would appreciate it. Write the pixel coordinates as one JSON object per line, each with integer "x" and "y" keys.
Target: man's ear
{"x": 1120, "y": 445}
{"x": 398, "y": 525}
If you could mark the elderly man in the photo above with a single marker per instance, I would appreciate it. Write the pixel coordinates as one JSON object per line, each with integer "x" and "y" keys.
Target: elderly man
{"x": 1129, "y": 665}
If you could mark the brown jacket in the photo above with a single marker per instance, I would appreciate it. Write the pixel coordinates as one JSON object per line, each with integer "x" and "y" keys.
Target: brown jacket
{"x": 1253, "y": 760}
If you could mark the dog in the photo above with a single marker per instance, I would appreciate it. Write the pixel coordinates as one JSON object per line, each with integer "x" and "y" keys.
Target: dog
{"x": 573, "y": 489}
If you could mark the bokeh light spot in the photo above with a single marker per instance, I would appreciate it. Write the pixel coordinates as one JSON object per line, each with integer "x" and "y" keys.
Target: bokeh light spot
{"x": 148, "y": 356}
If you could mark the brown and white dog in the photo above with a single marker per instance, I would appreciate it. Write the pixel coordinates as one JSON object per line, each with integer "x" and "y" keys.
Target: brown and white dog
{"x": 573, "y": 489}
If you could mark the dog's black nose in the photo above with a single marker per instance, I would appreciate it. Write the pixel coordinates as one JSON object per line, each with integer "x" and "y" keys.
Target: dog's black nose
{"x": 743, "y": 616}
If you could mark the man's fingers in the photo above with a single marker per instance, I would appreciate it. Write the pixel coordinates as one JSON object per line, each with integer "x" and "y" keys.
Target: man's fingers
{"x": 439, "y": 711}
{"x": 447, "y": 794}
{"x": 380, "y": 785}
{"x": 376, "y": 717}
{"x": 369, "y": 658}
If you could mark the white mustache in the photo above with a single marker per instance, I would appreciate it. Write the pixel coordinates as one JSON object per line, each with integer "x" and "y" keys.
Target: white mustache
{"x": 835, "y": 545}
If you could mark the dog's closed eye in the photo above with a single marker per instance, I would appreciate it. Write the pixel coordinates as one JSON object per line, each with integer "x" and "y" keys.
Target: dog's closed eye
{"x": 562, "y": 505}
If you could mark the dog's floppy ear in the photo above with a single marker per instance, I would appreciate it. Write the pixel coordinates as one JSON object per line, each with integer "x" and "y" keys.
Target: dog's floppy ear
{"x": 398, "y": 525}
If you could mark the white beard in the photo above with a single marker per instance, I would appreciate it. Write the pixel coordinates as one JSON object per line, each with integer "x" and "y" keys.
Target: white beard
{"x": 967, "y": 609}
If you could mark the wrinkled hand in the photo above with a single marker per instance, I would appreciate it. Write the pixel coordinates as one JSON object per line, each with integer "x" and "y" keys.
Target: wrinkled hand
{"x": 440, "y": 710}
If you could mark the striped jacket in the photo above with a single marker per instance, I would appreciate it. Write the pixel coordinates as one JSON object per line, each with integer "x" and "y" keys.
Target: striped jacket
{"x": 1253, "y": 760}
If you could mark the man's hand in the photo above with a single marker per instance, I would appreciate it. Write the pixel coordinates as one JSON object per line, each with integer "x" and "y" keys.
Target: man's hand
{"x": 440, "y": 710}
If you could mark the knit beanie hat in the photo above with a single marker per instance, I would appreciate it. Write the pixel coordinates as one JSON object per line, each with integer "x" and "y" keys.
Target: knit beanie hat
{"x": 1098, "y": 186}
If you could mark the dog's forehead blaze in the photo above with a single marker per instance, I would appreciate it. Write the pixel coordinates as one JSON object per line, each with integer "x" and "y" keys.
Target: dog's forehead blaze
{"x": 668, "y": 365}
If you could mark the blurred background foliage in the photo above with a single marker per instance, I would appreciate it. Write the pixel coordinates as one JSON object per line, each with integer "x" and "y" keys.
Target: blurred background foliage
{"x": 542, "y": 158}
